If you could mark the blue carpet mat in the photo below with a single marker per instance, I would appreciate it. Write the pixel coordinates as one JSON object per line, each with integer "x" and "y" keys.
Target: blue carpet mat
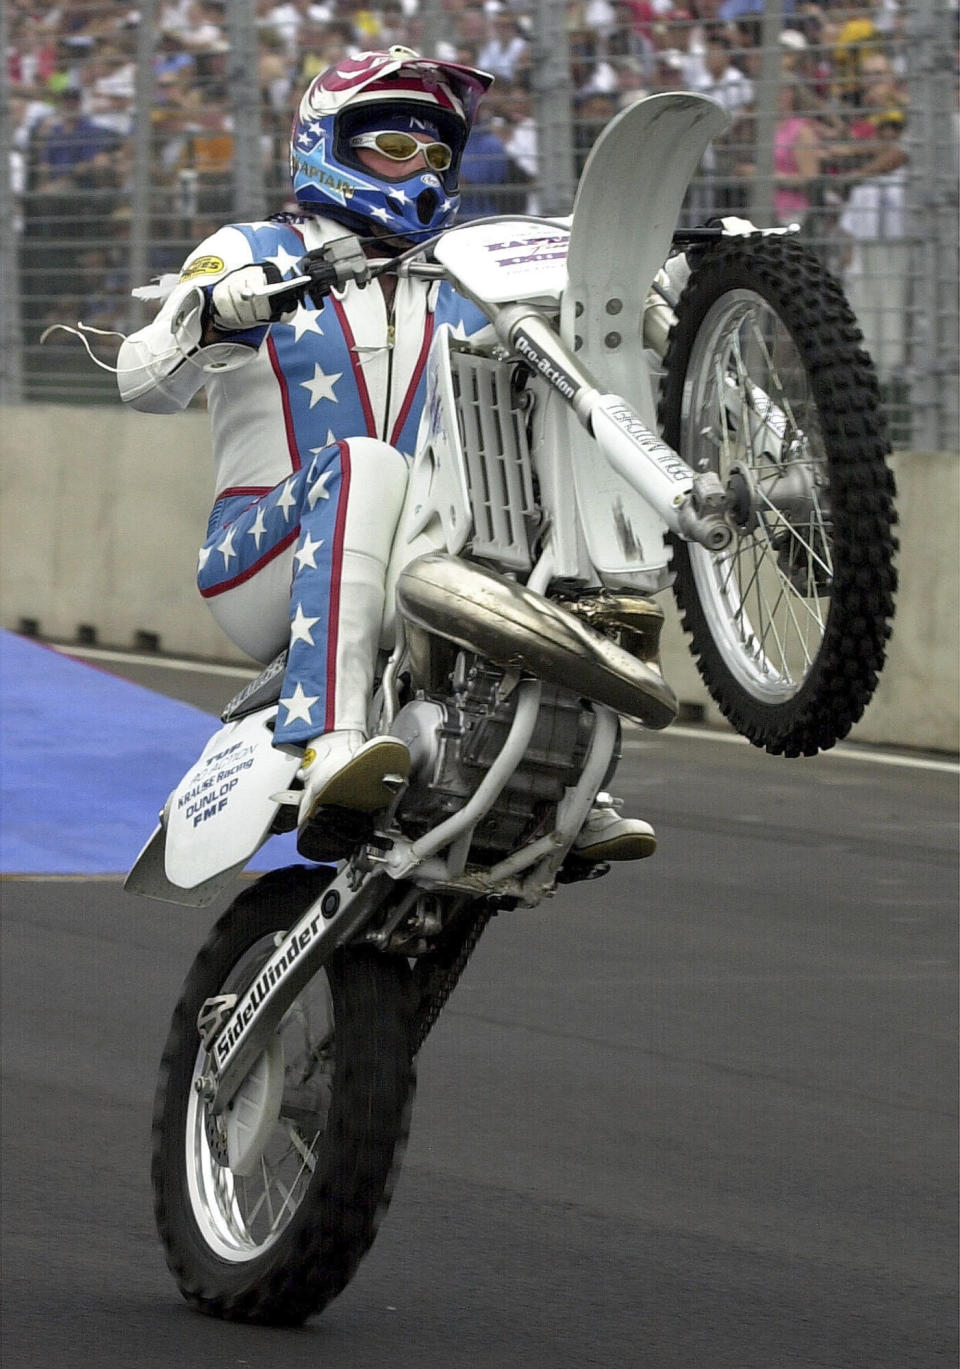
{"x": 86, "y": 762}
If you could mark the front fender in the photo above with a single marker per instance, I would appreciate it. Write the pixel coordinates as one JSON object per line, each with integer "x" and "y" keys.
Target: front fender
{"x": 626, "y": 209}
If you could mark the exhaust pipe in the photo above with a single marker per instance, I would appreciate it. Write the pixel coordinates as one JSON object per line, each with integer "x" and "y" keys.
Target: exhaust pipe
{"x": 496, "y": 618}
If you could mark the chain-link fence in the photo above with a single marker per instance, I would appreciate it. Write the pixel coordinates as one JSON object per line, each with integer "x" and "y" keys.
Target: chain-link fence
{"x": 134, "y": 130}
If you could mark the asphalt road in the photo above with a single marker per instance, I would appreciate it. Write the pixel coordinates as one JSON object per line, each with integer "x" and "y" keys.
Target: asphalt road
{"x": 699, "y": 1114}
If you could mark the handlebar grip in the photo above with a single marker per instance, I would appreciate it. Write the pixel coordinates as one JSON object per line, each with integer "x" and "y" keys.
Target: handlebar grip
{"x": 322, "y": 273}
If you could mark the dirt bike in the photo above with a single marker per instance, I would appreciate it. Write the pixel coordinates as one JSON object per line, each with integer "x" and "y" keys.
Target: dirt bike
{"x": 549, "y": 500}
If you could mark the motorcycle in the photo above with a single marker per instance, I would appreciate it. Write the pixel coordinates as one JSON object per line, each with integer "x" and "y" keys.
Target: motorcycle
{"x": 550, "y": 498}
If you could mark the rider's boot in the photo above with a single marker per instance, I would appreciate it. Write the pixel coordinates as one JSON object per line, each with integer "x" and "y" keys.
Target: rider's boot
{"x": 344, "y": 770}
{"x": 345, "y": 780}
{"x": 607, "y": 836}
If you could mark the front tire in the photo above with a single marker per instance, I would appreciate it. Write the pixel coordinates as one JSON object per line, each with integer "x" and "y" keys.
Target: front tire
{"x": 766, "y": 383}
{"x": 279, "y": 1244}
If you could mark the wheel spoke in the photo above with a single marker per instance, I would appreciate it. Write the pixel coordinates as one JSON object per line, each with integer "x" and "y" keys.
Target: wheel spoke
{"x": 266, "y": 1188}
{"x": 743, "y": 390}
{"x": 255, "y": 1210}
{"x": 811, "y": 552}
{"x": 773, "y": 372}
{"x": 309, "y": 1159}
{"x": 724, "y": 425}
{"x": 288, "y": 1202}
{"x": 765, "y": 614}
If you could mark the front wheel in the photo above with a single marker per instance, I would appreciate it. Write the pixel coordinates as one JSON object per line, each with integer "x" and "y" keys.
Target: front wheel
{"x": 767, "y": 385}
{"x": 277, "y": 1240}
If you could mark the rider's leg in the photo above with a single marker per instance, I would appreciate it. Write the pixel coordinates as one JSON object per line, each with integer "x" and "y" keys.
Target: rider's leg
{"x": 307, "y": 561}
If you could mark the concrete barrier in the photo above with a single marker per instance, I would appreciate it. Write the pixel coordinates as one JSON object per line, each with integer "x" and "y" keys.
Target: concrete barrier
{"x": 102, "y": 511}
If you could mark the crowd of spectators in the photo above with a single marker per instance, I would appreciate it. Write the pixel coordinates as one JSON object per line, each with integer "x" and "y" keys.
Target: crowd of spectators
{"x": 838, "y": 157}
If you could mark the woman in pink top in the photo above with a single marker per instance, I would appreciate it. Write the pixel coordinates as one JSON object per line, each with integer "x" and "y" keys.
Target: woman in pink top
{"x": 796, "y": 159}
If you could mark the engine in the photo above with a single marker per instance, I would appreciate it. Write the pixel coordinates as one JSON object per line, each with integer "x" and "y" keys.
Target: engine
{"x": 454, "y": 738}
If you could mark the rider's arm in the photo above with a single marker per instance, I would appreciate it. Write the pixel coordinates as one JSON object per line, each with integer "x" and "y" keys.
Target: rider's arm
{"x": 162, "y": 366}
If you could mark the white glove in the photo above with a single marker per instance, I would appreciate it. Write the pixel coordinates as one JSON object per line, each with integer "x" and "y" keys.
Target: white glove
{"x": 738, "y": 228}
{"x": 237, "y": 302}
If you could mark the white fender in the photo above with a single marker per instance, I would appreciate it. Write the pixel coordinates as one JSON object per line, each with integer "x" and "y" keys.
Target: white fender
{"x": 626, "y": 209}
{"x": 219, "y": 814}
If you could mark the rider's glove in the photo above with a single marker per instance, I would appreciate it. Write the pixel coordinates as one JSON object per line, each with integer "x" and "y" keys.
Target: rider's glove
{"x": 235, "y": 302}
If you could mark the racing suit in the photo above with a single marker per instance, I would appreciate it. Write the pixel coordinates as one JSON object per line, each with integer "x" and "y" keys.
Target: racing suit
{"x": 313, "y": 424}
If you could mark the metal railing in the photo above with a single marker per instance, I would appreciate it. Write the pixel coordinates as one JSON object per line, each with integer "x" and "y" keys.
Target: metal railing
{"x": 132, "y": 132}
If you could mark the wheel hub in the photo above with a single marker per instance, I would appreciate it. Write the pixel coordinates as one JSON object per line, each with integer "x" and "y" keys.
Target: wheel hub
{"x": 742, "y": 499}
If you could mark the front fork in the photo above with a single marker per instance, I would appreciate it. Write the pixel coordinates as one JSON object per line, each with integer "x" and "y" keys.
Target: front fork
{"x": 692, "y": 504}
{"x": 235, "y": 1029}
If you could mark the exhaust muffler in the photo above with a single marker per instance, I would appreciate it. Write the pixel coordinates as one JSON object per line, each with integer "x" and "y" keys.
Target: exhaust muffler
{"x": 514, "y": 627}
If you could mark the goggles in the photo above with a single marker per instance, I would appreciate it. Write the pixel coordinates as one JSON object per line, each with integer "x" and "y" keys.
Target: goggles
{"x": 402, "y": 147}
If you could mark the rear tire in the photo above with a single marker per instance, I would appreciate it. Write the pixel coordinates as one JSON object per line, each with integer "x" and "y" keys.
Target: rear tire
{"x": 789, "y": 624}
{"x": 279, "y": 1245}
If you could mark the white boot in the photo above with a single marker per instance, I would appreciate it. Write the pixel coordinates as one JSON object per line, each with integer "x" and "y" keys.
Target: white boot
{"x": 344, "y": 770}
{"x": 607, "y": 836}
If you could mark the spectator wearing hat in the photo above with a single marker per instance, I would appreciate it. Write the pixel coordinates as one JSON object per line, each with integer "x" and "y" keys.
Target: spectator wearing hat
{"x": 872, "y": 146}
{"x": 875, "y": 208}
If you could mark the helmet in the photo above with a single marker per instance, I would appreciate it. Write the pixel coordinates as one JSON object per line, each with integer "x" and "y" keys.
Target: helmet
{"x": 377, "y": 90}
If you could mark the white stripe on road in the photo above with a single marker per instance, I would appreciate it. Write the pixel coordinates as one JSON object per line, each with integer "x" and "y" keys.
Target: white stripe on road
{"x": 638, "y": 739}
{"x": 843, "y": 752}
{"x": 234, "y": 672}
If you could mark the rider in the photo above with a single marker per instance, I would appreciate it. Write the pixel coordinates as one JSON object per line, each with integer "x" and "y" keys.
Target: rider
{"x": 314, "y": 414}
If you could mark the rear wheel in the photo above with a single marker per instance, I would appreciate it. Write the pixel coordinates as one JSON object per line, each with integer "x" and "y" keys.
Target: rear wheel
{"x": 766, "y": 383}
{"x": 276, "y": 1238}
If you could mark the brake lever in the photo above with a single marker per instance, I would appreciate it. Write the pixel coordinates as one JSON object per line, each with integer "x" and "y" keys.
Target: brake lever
{"x": 280, "y": 288}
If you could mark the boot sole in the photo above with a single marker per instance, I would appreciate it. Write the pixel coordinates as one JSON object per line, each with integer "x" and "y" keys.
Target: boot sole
{"x": 632, "y": 846}
{"x": 360, "y": 784}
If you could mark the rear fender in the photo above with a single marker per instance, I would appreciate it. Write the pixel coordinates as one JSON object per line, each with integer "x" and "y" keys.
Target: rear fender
{"x": 219, "y": 815}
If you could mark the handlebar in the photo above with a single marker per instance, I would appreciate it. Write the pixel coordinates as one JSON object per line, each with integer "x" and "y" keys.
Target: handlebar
{"x": 334, "y": 265}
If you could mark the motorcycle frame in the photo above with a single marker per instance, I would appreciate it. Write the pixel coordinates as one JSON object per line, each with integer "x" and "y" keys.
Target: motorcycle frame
{"x": 677, "y": 129}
